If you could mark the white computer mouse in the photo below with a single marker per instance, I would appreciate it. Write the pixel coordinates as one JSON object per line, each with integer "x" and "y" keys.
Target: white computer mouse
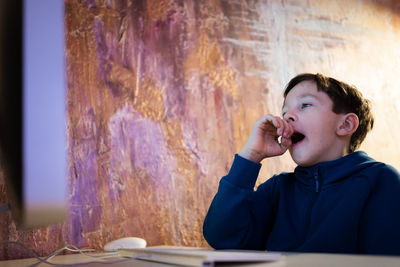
{"x": 126, "y": 242}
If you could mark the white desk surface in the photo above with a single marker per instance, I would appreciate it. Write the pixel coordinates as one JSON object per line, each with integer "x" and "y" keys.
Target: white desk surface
{"x": 289, "y": 260}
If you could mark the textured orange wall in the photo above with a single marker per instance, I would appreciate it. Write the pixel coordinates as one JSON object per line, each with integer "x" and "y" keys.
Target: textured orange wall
{"x": 162, "y": 93}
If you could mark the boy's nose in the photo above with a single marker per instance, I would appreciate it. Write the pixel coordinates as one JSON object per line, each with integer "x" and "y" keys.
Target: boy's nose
{"x": 290, "y": 116}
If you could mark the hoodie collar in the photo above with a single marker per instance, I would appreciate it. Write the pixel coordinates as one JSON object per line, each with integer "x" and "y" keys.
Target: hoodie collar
{"x": 328, "y": 172}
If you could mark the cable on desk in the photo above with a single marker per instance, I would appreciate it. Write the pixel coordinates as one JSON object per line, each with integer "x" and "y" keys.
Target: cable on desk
{"x": 71, "y": 248}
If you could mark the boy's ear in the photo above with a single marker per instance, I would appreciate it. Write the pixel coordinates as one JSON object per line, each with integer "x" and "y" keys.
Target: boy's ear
{"x": 348, "y": 125}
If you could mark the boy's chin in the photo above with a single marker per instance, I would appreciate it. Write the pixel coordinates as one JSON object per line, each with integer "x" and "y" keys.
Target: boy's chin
{"x": 301, "y": 160}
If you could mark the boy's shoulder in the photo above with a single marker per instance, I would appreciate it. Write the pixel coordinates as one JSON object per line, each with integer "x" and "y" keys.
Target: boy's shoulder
{"x": 383, "y": 175}
{"x": 378, "y": 170}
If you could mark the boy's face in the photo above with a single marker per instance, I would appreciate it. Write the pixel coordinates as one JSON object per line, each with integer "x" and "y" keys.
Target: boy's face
{"x": 309, "y": 112}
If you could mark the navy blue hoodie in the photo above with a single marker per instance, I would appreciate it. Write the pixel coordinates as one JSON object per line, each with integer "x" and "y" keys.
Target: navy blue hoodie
{"x": 349, "y": 205}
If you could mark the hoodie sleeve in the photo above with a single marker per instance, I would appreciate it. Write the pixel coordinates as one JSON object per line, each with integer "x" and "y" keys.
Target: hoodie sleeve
{"x": 380, "y": 225}
{"x": 239, "y": 217}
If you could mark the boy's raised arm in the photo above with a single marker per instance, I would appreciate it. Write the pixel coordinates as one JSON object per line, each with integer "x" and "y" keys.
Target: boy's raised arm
{"x": 239, "y": 217}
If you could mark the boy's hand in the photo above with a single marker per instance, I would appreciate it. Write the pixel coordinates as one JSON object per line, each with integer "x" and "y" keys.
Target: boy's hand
{"x": 263, "y": 140}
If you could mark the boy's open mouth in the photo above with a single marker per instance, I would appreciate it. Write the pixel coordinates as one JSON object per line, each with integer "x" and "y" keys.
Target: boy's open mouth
{"x": 297, "y": 137}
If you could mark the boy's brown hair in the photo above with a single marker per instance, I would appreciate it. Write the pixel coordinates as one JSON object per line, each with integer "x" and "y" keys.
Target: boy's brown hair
{"x": 345, "y": 98}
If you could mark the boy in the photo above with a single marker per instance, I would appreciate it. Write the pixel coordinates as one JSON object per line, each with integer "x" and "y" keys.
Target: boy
{"x": 337, "y": 200}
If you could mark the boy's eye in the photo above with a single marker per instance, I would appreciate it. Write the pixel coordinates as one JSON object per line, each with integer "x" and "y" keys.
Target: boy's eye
{"x": 305, "y": 105}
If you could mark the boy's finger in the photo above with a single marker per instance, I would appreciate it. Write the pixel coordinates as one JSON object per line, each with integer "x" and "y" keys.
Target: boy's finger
{"x": 267, "y": 120}
{"x": 286, "y": 143}
{"x": 284, "y": 128}
{"x": 280, "y": 125}
{"x": 275, "y": 121}
{"x": 288, "y": 130}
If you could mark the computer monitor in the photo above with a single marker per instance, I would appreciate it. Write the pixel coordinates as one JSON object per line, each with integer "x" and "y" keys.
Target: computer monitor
{"x": 33, "y": 110}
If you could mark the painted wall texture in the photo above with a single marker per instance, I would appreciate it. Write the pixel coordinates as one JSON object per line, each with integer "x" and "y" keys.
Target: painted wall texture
{"x": 163, "y": 93}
